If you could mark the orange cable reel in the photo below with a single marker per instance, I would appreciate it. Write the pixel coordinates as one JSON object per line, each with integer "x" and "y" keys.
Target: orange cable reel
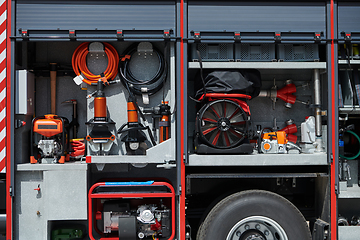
{"x": 83, "y": 74}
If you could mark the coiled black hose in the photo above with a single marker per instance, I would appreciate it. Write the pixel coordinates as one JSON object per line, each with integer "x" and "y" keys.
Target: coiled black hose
{"x": 136, "y": 85}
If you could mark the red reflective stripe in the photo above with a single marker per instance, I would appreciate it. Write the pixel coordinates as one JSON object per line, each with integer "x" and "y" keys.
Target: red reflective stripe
{"x": 3, "y": 8}
{"x": 2, "y": 165}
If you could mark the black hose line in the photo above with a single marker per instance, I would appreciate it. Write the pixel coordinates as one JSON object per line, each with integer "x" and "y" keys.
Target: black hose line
{"x": 152, "y": 85}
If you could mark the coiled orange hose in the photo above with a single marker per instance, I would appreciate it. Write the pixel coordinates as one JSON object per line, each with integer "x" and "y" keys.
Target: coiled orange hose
{"x": 78, "y": 62}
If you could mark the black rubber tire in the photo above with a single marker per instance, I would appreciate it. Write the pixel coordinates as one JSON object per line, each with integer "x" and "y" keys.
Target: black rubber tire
{"x": 241, "y": 205}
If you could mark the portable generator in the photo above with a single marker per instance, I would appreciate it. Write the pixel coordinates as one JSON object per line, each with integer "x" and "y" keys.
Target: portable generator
{"x": 49, "y": 139}
{"x": 131, "y": 210}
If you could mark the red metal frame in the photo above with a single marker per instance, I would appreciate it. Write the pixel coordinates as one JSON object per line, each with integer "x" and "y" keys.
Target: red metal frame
{"x": 182, "y": 132}
{"x": 333, "y": 208}
{"x": 92, "y": 196}
{"x": 8, "y": 124}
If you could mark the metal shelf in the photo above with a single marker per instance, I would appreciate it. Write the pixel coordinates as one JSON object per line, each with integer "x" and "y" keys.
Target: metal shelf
{"x": 350, "y": 109}
{"x": 350, "y": 192}
{"x": 71, "y": 166}
{"x": 349, "y": 232}
{"x": 260, "y": 65}
{"x": 136, "y": 159}
{"x": 258, "y": 160}
{"x": 351, "y": 62}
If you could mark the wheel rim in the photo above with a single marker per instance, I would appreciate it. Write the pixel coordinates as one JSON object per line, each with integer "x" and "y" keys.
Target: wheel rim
{"x": 223, "y": 124}
{"x": 257, "y": 228}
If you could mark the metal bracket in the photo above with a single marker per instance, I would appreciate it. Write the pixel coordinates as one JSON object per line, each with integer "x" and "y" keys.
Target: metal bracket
{"x": 72, "y": 34}
{"x": 19, "y": 123}
{"x": 321, "y": 230}
{"x": 315, "y": 106}
{"x": 119, "y": 35}
{"x": 237, "y": 37}
{"x": 347, "y": 37}
{"x": 317, "y": 37}
{"x": 96, "y": 47}
{"x": 277, "y": 37}
{"x": 167, "y": 34}
{"x": 188, "y": 186}
{"x": 24, "y": 33}
{"x": 11, "y": 192}
{"x": 197, "y": 36}
{"x": 167, "y": 165}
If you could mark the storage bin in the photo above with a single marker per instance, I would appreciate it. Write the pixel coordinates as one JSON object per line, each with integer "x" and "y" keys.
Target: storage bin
{"x": 298, "y": 52}
{"x": 254, "y": 52}
{"x": 223, "y": 52}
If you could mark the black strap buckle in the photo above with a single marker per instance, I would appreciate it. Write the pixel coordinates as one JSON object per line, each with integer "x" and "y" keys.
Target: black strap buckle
{"x": 237, "y": 37}
{"x": 24, "y": 33}
{"x": 347, "y": 37}
{"x": 166, "y": 34}
{"x": 317, "y": 37}
{"x": 119, "y": 34}
{"x": 72, "y": 34}
{"x": 277, "y": 37}
{"x": 197, "y": 36}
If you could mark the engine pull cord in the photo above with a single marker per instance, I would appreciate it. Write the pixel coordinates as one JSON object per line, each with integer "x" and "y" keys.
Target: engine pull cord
{"x": 80, "y": 68}
{"x": 358, "y": 154}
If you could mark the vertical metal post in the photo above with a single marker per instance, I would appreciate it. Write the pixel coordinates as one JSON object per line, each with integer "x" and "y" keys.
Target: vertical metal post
{"x": 317, "y": 102}
{"x": 333, "y": 123}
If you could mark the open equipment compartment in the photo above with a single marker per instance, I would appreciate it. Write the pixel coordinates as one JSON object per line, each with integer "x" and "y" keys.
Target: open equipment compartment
{"x": 158, "y": 112}
{"x": 154, "y": 214}
{"x": 57, "y": 46}
{"x": 106, "y": 157}
{"x": 348, "y": 117}
{"x": 70, "y": 96}
{"x": 291, "y": 99}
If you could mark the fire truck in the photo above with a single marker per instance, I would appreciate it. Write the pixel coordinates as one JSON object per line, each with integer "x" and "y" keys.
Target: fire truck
{"x": 179, "y": 119}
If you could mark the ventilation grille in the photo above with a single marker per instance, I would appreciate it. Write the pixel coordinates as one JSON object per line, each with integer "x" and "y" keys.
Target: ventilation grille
{"x": 298, "y": 52}
{"x": 254, "y": 52}
{"x": 212, "y": 52}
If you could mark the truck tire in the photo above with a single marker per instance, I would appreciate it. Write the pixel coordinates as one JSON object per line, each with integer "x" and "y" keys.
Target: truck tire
{"x": 254, "y": 215}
